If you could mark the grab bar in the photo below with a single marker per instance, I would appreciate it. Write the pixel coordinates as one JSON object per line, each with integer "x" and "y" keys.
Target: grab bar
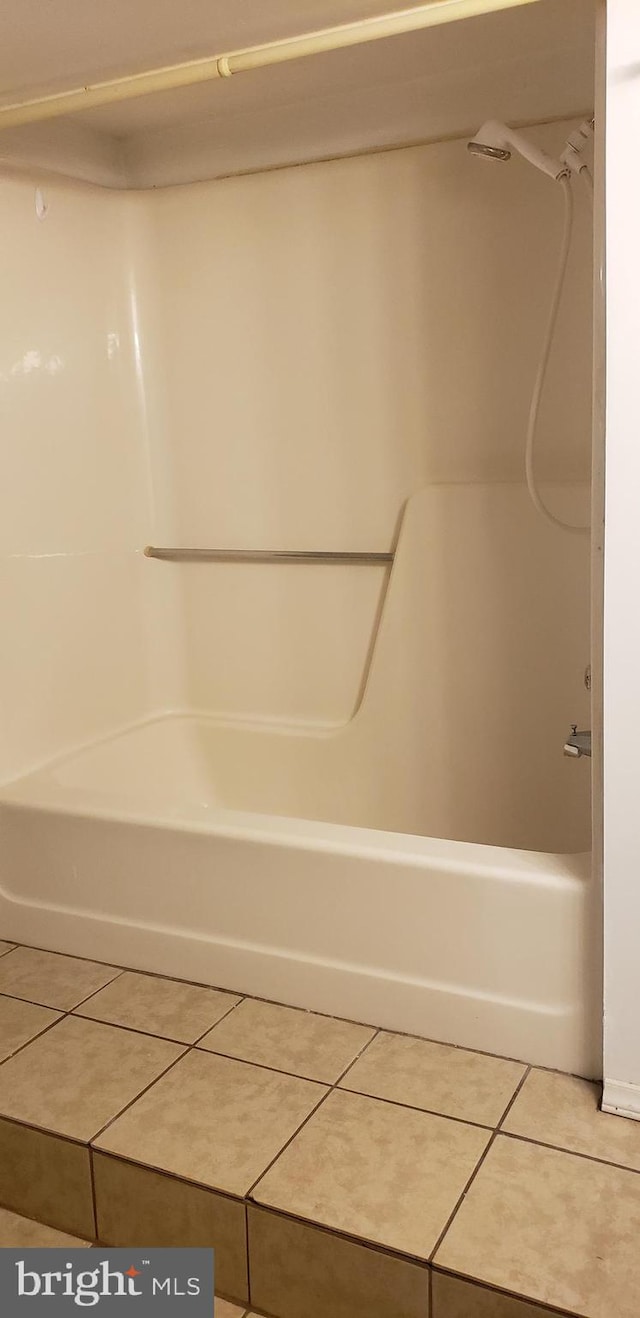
{"x": 358, "y": 557}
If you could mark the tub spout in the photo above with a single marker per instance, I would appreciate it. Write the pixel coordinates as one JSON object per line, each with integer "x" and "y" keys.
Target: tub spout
{"x": 579, "y": 743}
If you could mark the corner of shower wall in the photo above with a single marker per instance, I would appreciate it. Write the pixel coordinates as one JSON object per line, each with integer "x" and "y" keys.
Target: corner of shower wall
{"x": 161, "y": 590}
{"x": 76, "y": 658}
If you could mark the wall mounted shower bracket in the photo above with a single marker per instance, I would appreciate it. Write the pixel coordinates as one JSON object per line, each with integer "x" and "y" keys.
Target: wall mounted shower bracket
{"x": 498, "y": 142}
{"x": 577, "y": 142}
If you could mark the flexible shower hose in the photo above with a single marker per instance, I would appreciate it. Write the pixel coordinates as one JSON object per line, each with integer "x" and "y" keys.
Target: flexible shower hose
{"x": 538, "y": 388}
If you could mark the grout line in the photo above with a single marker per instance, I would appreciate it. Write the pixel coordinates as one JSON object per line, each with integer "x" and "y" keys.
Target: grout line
{"x": 260, "y": 1313}
{"x": 513, "y": 1098}
{"x": 43, "y": 1130}
{"x": 120, "y": 1113}
{"x": 119, "y": 972}
{"x": 309, "y": 1011}
{"x": 293, "y": 1075}
{"x": 31, "y": 1002}
{"x": 169, "y": 1176}
{"x": 285, "y": 1146}
{"x": 96, "y": 992}
{"x": 262, "y": 1066}
{"x": 45, "y": 1030}
{"x": 93, "y": 1194}
{"x": 234, "y": 1007}
{"x": 132, "y": 1029}
{"x": 75, "y": 1011}
{"x": 376, "y": 1246}
{"x": 248, "y": 1253}
{"x": 572, "y": 1153}
{"x": 326, "y": 1095}
{"x": 490, "y": 1289}
{"x": 412, "y": 1107}
{"x": 69, "y": 956}
{"x": 9, "y": 948}
{"x": 357, "y": 1057}
{"x": 457, "y": 1047}
{"x": 462, "y": 1197}
{"x": 63, "y": 1011}
{"x": 476, "y": 1169}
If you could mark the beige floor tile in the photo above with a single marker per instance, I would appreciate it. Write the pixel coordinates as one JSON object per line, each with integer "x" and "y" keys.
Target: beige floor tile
{"x": 78, "y": 1075}
{"x": 20, "y": 1022}
{"x": 6, "y": 947}
{"x": 163, "y": 1007}
{"x": 454, "y": 1298}
{"x": 22, "y": 1233}
{"x": 385, "y": 1173}
{"x": 213, "y": 1120}
{"x": 50, "y": 979}
{"x": 298, "y": 1271}
{"x": 551, "y": 1227}
{"x": 300, "y": 1042}
{"x": 46, "y": 1178}
{"x": 138, "y": 1206}
{"x": 562, "y": 1110}
{"x": 436, "y": 1077}
{"x": 223, "y": 1309}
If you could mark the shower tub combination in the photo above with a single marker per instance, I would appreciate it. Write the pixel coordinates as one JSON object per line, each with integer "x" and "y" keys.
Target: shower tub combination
{"x": 309, "y": 865}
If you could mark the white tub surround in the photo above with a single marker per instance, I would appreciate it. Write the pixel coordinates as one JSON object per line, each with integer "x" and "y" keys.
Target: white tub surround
{"x": 476, "y": 945}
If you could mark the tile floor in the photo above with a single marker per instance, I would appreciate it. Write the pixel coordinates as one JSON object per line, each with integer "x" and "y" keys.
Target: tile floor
{"x": 339, "y": 1170}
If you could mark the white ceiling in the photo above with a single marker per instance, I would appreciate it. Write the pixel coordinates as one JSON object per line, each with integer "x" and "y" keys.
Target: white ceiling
{"x": 46, "y": 44}
{"x": 523, "y": 64}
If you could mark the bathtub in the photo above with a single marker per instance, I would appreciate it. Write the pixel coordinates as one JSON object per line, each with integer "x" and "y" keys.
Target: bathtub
{"x": 169, "y": 847}
{"x": 421, "y": 864}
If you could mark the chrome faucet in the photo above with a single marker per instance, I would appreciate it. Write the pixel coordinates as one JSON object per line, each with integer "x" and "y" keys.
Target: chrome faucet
{"x": 579, "y": 743}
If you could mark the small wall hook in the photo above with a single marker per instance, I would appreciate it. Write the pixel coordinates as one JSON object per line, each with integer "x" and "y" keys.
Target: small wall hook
{"x": 41, "y": 205}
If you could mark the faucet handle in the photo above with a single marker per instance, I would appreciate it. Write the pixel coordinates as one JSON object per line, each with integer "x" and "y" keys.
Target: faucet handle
{"x": 579, "y": 743}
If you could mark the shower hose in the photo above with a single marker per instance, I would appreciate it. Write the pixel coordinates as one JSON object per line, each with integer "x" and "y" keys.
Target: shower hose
{"x": 541, "y": 376}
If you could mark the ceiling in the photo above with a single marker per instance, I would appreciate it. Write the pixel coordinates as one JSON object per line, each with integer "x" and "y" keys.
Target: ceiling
{"x": 525, "y": 64}
{"x": 46, "y": 44}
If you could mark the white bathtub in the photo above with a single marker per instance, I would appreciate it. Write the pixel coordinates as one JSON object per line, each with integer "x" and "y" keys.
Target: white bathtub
{"x": 168, "y": 848}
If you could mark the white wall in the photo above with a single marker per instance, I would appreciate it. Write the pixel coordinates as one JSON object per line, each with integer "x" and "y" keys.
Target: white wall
{"x": 73, "y": 481}
{"x": 322, "y": 342}
{"x": 622, "y": 566}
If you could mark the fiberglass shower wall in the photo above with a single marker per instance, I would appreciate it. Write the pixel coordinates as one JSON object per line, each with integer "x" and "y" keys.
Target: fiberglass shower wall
{"x": 322, "y": 342}
{"x": 74, "y": 661}
{"x": 277, "y": 361}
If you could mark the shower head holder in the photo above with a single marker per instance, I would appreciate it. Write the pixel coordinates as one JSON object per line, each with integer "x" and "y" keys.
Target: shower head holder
{"x": 497, "y": 141}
